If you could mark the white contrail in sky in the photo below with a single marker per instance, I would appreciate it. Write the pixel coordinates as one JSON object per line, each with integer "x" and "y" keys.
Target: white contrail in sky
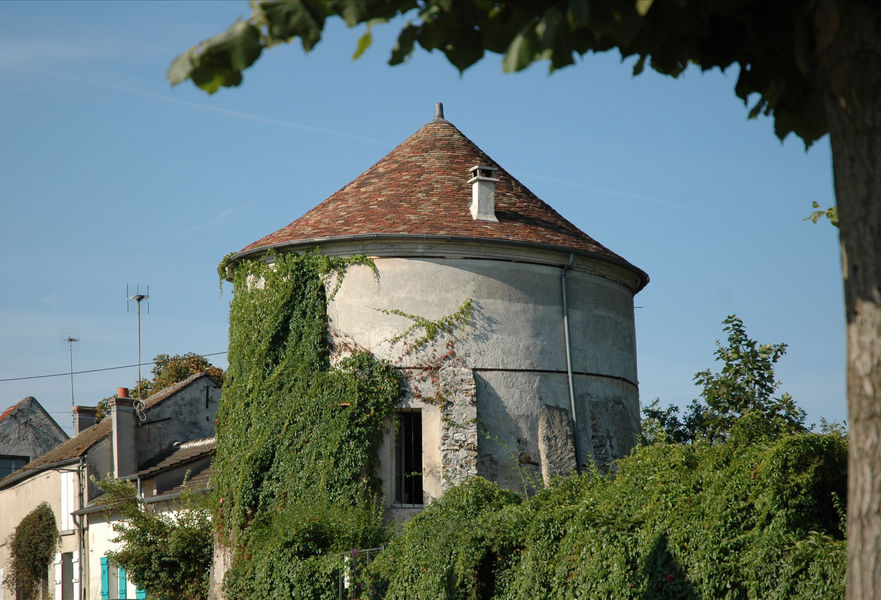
{"x": 24, "y": 62}
{"x": 611, "y": 192}
{"x": 243, "y": 115}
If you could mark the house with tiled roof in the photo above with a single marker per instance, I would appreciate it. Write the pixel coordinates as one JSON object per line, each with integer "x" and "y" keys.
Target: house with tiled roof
{"x": 26, "y": 432}
{"x": 543, "y": 380}
{"x": 151, "y": 445}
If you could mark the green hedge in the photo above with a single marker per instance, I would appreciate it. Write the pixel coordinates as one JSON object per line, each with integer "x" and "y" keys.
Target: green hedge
{"x": 677, "y": 521}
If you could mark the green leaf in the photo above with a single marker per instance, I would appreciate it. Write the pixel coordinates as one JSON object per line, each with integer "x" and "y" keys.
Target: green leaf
{"x": 243, "y": 46}
{"x": 579, "y": 12}
{"x": 219, "y": 61}
{"x": 296, "y": 18}
{"x": 521, "y": 51}
{"x": 643, "y": 6}
{"x": 404, "y": 46}
{"x": 640, "y": 65}
{"x": 830, "y": 213}
{"x": 364, "y": 43}
{"x": 181, "y": 68}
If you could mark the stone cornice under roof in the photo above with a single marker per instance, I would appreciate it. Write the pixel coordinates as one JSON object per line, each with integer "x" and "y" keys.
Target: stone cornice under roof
{"x": 420, "y": 189}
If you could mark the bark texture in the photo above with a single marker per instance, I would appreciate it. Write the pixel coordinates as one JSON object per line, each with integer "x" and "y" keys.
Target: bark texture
{"x": 848, "y": 36}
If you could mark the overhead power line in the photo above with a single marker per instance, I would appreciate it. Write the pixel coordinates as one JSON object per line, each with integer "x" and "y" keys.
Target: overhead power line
{"x": 68, "y": 373}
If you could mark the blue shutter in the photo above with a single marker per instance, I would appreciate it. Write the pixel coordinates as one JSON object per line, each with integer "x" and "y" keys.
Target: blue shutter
{"x": 122, "y": 583}
{"x": 140, "y": 594}
{"x": 105, "y": 579}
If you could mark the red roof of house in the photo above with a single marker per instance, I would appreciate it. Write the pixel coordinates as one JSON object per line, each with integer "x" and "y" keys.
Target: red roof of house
{"x": 421, "y": 188}
{"x": 12, "y": 408}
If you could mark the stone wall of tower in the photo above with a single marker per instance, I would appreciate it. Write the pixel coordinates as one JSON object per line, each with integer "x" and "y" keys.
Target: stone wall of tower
{"x": 482, "y": 392}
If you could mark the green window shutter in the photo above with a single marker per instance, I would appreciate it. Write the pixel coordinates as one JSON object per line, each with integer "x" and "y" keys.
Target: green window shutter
{"x": 122, "y": 583}
{"x": 141, "y": 594}
{"x": 105, "y": 579}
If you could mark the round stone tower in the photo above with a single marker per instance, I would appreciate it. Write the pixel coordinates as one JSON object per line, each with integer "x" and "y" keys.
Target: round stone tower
{"x": 538, "y": 373}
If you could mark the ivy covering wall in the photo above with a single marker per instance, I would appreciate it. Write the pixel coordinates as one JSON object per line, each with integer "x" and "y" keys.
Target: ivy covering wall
{"x": 297, "y": 438}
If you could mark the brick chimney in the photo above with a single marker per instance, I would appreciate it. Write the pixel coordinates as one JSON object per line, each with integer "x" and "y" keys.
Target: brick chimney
{"x": 83, "y": 418}
{"x": 483, "y": 188}
{"x": 124, "y": 422}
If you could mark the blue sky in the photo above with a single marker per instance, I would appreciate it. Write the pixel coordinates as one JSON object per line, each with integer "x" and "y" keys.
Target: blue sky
{"x": 108, "y": 176}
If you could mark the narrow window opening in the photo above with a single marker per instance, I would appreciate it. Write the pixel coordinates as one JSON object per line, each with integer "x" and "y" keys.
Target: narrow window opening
{"x": 408, "y": 459}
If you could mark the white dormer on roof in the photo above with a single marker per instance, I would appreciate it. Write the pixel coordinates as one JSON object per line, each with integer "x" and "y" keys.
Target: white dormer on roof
{"x": 483, "y": 186}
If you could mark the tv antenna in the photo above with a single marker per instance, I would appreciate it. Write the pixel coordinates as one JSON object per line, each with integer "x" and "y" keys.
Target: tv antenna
{"x": 138, "y": 293}
{"x": 70, "y": 338}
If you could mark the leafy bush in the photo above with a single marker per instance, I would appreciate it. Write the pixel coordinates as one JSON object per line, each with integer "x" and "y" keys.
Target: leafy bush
{"x": 677, "y": 521}
{"x": 446, "y": 551}
{"x": 736, "y": 402}
{"x": 168, "y": 555}
{"x": 32, "y": 546}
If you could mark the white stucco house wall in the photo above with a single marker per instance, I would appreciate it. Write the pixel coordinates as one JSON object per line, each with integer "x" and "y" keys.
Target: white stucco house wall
{"x": 542, "y": 381}
{"x": 124, "y": 445}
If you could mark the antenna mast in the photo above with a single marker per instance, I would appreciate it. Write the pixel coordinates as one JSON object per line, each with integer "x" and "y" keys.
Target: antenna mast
{"x": 69, "y": 339}
{"x": 138, "y": 295}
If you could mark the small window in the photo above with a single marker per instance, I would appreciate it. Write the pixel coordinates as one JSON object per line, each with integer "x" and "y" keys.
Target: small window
{"x": 10, "y": 464}
{"x": 408, "y": 459}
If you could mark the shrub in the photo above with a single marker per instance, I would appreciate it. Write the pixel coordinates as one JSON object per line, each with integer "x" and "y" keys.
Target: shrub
{"x": 32, "y": 547}
{"x": 677, "y": 521}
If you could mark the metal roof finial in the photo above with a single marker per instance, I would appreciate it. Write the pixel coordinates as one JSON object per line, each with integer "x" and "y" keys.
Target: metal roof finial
{"x": 439, "y": 111}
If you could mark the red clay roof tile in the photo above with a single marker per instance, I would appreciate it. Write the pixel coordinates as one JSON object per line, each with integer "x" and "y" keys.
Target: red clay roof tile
{"x": 421, "y": 188}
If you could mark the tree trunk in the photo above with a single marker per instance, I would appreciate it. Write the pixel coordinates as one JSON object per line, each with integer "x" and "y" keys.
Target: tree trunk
{"x": 849, "y": 57}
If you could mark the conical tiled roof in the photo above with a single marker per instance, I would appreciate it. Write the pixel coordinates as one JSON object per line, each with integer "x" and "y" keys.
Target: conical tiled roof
{"x": 421, "y": 189}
